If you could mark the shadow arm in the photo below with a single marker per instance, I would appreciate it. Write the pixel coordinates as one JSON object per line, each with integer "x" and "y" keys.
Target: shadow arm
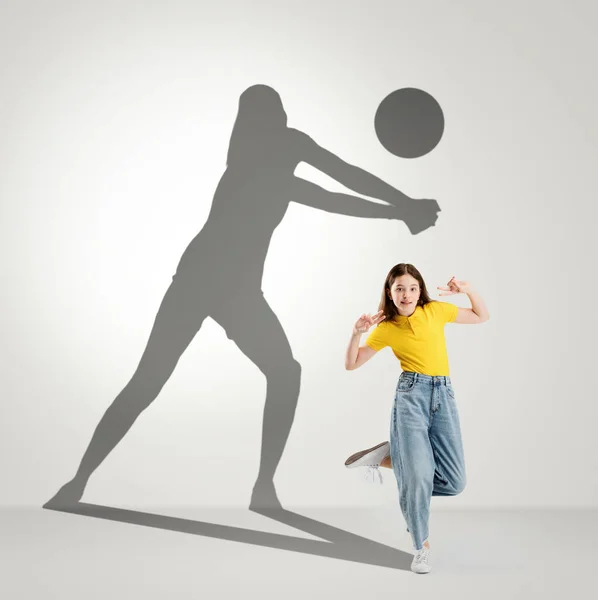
{"x": 310, "y": 194}
{"x": 356, "y": 179}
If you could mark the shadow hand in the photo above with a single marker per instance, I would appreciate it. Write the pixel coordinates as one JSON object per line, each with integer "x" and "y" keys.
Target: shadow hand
{"x": 419, "y": 215}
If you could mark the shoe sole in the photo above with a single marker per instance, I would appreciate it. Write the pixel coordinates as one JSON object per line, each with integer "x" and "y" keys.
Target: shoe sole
{"x": 358, "y": 455}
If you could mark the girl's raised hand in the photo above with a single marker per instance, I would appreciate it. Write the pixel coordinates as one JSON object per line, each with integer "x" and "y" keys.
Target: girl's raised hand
{"x": 454, "y": 286}
{"x": 366, "y": 321}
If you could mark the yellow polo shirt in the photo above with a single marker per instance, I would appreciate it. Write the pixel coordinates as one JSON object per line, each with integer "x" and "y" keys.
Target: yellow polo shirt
{"x": 417, "y": 341}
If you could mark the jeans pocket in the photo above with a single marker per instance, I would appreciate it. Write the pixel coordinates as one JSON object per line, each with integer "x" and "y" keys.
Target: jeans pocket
{"x": 450, "y": 391}
{"x": 406, "y": 384}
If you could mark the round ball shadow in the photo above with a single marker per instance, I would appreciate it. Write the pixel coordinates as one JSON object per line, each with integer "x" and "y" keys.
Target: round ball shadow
{"x": 409, "y": 123}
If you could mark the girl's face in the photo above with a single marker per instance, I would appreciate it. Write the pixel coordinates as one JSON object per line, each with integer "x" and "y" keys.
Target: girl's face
{"x": 405, "y": 292}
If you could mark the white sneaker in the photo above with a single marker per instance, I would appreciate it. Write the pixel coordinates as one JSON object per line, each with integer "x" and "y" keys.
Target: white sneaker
{"x": 370, "y": 458}
{"x": 420, "y": 562}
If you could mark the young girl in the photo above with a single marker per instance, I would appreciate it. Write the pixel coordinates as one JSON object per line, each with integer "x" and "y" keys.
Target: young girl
{"x": 425, "y": 450}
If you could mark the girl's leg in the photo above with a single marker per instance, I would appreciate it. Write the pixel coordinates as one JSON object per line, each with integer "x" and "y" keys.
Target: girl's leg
{"x": 411, "y": 454}
{"x": 176, "y": 323}
{"x": 447, "y": 446}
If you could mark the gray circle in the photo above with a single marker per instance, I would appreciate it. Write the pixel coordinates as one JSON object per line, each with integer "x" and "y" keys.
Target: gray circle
{"x": 409, "y": 123}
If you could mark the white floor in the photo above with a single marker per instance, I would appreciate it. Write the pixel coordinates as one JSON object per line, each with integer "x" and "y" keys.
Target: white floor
{"x": 113, "y": 553}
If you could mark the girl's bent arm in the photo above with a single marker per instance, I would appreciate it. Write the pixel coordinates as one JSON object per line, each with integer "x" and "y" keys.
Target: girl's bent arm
{"x": 478, "y": 313}
{"x": 357, "y": 355}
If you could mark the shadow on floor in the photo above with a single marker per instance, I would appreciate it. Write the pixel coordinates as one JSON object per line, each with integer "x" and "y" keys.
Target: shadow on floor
{"x": 339, "y": 544}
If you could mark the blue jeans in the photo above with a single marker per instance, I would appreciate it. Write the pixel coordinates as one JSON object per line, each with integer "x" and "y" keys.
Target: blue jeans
{"x": 425, "y": 447}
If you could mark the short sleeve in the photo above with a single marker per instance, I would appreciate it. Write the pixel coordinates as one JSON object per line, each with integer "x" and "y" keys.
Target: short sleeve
{"x": 378, "y": 338}
{"x": 446, "y": 311}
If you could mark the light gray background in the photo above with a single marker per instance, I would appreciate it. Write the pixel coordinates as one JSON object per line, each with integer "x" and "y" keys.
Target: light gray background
{"x": 115, "y": 121}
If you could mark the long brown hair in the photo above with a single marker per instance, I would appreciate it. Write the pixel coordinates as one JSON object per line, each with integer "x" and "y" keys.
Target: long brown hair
{"x": 386, "y": 303}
